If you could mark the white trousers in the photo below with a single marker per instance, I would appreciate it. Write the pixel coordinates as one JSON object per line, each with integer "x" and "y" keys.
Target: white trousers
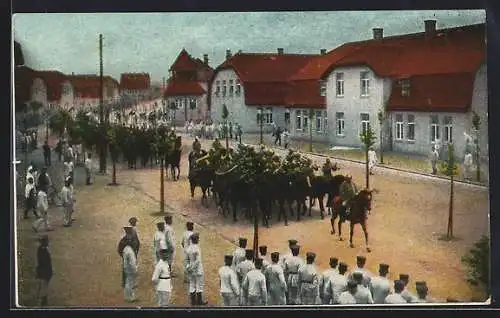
{"x": 130, "y": 286}
{"x": 196, "y": 283}
{"x": 68, "y": 212}
{"x": 163, "y": 298}
{"x": 229, "y": 299}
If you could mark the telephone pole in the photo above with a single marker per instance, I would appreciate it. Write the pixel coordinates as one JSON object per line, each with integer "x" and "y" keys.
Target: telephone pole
{"x": 102, "y": 150}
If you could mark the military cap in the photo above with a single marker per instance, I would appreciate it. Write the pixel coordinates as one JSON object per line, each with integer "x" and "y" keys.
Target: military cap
{"x": 357, "y": 275}
{"x": 263, "y": 249}
{"x": 399, "y": 284}
{"x": 127, "y": 228}
{"x": 242, "y": 240}
{"x": 132, "y": 219}
{"x": 383, "y": 267}
{"x": 404, "y": 276}
{"x": 360, "y": 258}
{"x": 351, "y": 284}
{"x": 311, "y": 255}
{"x": 248, "y": 252}
{"x": 189, "y": 223}
{"x": 421, "y": 285}
{"x": 333, "y": 260}
{"x": 295, "y": 247}
{"x": 343, "y": 265}
{"x": 228, "y": 257}
{"x": 160, "y": 224}
{"x": 258, "y": 261}
{"x": 275, "y": 254}
{"x": 292, "y": 242}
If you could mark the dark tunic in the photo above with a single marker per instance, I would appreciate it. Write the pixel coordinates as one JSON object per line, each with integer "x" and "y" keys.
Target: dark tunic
{"x": 44, "y": 264}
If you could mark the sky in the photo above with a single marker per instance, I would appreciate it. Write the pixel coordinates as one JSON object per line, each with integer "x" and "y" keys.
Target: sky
{"x": 150, "y": 42}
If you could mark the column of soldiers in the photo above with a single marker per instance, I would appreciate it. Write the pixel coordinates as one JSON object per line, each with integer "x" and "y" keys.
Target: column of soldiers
{"x": 289, "y": 280}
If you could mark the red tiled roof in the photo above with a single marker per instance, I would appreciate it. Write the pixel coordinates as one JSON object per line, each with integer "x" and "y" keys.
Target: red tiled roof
{"x": 435, "y": 93}
{"x": 186, "y": 62}
{"x": 182, "y": 88}
{"x": 88, "y": 86}
{"x": 305, "y": 94}
{"x": 135, "y": 81}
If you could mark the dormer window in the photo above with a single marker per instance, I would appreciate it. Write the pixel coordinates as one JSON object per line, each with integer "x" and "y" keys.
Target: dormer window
{"x": 405, "y": 87}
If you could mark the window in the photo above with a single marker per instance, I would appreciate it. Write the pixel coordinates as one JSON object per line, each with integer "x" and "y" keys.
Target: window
{"x": 340, "y": 84}
{"x": 410, "y": 132}
{"x": 217, "y": 88}
{"x": 365, "y": 122}
{"x": 231, "y": 88}
{"x": 365, "y": 84}
{"x": 434, "y": 128}
{"x": 325, "y": 121}
{"x": 340, "y": 124}
{"x": 305, "y": 119}
{"x": 177, "y": 103}
{"x": 319, "y": 117}
{"x": 405, "y": 87}
{"x": 399, "y": 127}
{"x": 448, "y": 129}
{"x": 238, "y": 87}
{"x": 193, "y": 103}
{"x": 322, "y": 88}
{"x": 268, "y": 116}
{"x": 224, "y": 88}
{"x": 299, "y": 119}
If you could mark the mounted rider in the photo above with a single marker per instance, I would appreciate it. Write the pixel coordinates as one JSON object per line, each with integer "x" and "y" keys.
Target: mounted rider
{"x": 348, "y": 190}
{"x": 327, "y": 168}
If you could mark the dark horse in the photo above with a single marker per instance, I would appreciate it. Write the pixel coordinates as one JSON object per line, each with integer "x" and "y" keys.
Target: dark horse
{"x": 360, "y": 206}
{"x": 173, "y": 160}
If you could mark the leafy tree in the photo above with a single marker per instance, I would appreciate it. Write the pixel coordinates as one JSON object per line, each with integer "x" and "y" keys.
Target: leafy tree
{"x": 368, "y": 138}
{"x": 476, "y": 124}
{"x": 59, "y": 121}
{"x": 115, "y": 137}
{"x": 477, "y": 259}
{"x": 225, "y": 115}
{"x": 381, "y": 118}
{"x": 449, "y": 167}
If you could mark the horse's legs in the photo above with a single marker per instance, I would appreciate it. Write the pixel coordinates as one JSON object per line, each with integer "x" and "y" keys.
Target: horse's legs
{"x": 365, "y": 230}
{"x": 332, "y": 223}
{"x": 351, "y": 224}
{"x": 321, "y": 207}
{"x": 340, "y": 229}
{"x": 311, "y": 203}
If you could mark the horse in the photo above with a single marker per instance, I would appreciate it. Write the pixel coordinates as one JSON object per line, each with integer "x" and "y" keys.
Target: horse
{"x": 173, "y": 160}
{"x": 360, "y": 207}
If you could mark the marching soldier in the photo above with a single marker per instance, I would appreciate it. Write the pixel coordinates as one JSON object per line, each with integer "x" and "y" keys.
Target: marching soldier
{"x": 363, "y": 295}
{"x": 162, "y": 280}
{"x": 336, "y": 285}
{"x": 263, "y": 256}
{"x": 229, "y": 286}
{"x": 239, "y": 253}
{"x": 195, "y": 271}
{"x": 422, "y": 291}
{"x": 129, "y": 267}
{"x": 288, "y": 253}
{"x": 170, "y": 241}
{"x": 406, "y": 294}
{"x": 275, "y": 279}
{"x": 67, "y": 203}
{"x": 185, "y": 244}
{"x": 309, "y": 281}
{"x": 244, "y": 267}
{"x": 396, "y": 297}
{"x": 292, "y": 265}
{"x": 159, "y": 241}
{"x": 30, "y": 198}
{"x": 325, "y": 278}
{"x": 380, "y": 286}
{"x": 254, "y": 286}
{"x": 348, "y": 297}
{"x": 43, "y": 270}
{"x": 367, "y": 276}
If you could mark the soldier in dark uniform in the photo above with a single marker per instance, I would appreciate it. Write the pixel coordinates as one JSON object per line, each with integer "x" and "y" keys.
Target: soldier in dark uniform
{"x": 46, "y": 153}
{"x": 327, "y": 168}
{"x": 348, "y": 191}
{"x": 43, "y": 270}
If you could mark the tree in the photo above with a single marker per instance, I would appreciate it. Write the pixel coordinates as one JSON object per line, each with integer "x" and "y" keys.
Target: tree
{"x": 113, "y": 136}
{"x": 381, "y": 117}
{"x": 476, "y": 124}
{"x": 60, "y": 121}
{"x": 225, "y": 115}
{"x": 368, "y": 138}
{"x": 311, "y": 118}
{"x": 449, "y": 168}
{"x": 478, "y": 261}
{"x": 162, "y": 146}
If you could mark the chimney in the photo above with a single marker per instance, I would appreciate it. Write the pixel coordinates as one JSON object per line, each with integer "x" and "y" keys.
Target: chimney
{"x": 378, "y": 33}
{"x": 322, "y": 51}
{"x": 205, "y": 59}
{"x": 430, "y": 28}
{"x": 280, "y": 51}
{"x": 228, "y": 54}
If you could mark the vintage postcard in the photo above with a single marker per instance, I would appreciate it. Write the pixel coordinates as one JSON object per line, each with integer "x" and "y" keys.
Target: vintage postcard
{"x": 251, "y": 159}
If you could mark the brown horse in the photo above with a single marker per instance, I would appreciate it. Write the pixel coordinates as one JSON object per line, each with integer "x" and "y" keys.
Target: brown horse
{"x": 360, "y": 206}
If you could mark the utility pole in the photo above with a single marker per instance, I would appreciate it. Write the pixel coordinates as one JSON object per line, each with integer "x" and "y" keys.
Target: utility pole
{"x": 102, "y": 154}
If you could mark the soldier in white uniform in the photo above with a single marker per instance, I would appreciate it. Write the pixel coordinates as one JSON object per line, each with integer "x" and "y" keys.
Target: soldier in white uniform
{"x": 42, "y": 207}
{"x": 275, "y": 279}
{"x": 380, "y": 286}
{"x": 239, "y": 253}
{"x": 292, "y": 266}
{"x": 363, "y": 294}
{"x": 325, "y": 277}
{"x": 396, "y": 297}
{"x": 336, "y": 285}
{"x": 348, "y": 297}
{"x": 309, "y": 281}
{"x": 170, "y": 240}
{"x": 288, "y": 253}
{"x": 406, "y": 294}
{"x": 254, "y": 286}
{"x": 229, "y": 286}
{"x": 264, "y": 257}
{"x": 159, "y": 241}
{"x": 67, "y": 202}
{"x": 195, "y": 271}
{"x": 162, "y": 280}
{"x": 129, "y": 268}
{"x": 185, "y": 244}
{"x": 367, "y": 276}
{"x": 422, "y": 291}
{"x": 244, "y": 267}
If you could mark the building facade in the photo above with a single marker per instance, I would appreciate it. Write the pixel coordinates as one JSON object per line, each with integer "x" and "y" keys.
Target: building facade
{"x": 135, "y": 85}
